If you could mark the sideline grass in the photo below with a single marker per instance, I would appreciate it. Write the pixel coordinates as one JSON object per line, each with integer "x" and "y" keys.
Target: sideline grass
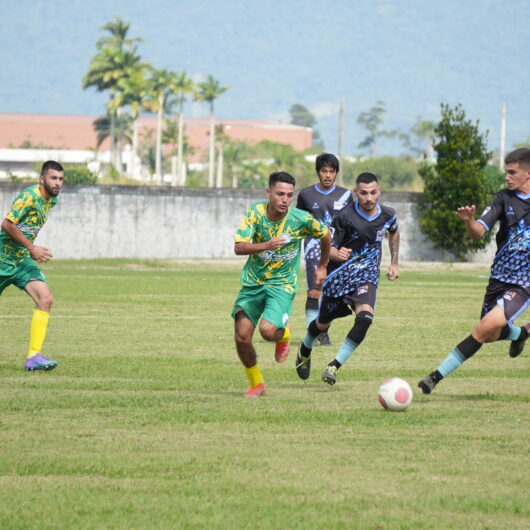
{"x": 143, "y": 425}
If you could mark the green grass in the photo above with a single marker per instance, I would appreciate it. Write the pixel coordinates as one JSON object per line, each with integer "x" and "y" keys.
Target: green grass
{"x": 143, "y": 424}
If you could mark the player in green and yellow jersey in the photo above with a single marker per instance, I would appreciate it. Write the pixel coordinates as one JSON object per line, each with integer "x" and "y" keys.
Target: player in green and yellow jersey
{"x": 18, "y": 253}
{"x": 271, "y": 234}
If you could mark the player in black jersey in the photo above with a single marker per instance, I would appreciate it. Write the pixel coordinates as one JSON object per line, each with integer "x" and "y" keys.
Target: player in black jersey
{"x": 508, "y": 292}
{"x": 353, "y": 273}
{"x": 323, "y": 201}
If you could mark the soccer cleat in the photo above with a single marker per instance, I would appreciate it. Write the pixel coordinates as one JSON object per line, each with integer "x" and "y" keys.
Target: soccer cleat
{"x": 427, "y": 384}
{"x": 255, "y": 391}
{"x": 303, "y": 364}
{"x": 517, "y": 346}
{"x": 281, "y": 350}
{"x": 39, "y": 362}
{"x": 330, "y": 375}
{"x": 323, "y": 339}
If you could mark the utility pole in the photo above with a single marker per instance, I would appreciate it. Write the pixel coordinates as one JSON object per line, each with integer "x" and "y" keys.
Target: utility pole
{"x": 503, "y": 137}
{"x": 340, "y": 147}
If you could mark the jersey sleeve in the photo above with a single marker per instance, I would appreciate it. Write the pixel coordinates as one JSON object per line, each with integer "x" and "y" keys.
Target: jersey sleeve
{"x": 314, "y": 228}
{"x": 20, "y": 207}
{"x": 247, "y": 227}
{"x": 491, "y": 213}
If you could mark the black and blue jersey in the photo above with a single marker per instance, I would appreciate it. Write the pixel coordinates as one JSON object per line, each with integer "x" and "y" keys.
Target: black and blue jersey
{"x": 364, "y": 234}
{"x": 323, "y": 206}
{"x": 512, "y": 259}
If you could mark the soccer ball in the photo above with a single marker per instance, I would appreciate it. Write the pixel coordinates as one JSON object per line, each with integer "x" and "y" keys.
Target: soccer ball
{"x": 395, "y": 394}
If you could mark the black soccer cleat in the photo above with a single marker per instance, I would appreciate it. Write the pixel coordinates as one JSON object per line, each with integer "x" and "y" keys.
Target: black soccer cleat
{"x": 427, "y": 384}
{"x": 517, "y": 346}
{"x": 303, "y": 364}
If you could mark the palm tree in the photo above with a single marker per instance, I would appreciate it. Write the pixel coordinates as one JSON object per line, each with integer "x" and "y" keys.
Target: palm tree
{"x": 115, "y": 58}
{"x": 209, "y": 91}
{"x": 160, "y": 81}
{"x": 180, "y": 87}
{"x": 133, "y": 90}
{"x": 110, "y": 124}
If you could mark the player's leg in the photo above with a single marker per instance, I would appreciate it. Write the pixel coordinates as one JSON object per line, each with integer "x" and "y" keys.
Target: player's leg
{"x": 246, "y": 313}
{"x": 363, "y": 299}
{"x": 312, "y": 301}
{"x": 33, "y": 281}
{"x": 274, "y": 325}
{"x": 330, "y": 309}
{"x": 486, "y": 330}
{"x": 515, "y": 302}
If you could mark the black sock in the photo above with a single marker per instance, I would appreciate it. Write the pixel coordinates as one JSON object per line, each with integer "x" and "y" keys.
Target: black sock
{"x": 335, "y": 363}
{"x": 469, "y": 346}
{"x": 437, "y": 376}
{"x": 311, "y": 303}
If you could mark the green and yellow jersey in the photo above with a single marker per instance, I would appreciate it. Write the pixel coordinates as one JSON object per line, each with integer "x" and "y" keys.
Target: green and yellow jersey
{"x": 29, "y": 212}
{"x": 281, "y": 266}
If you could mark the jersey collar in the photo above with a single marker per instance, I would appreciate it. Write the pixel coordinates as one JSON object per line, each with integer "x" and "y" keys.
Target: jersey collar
{"x": 325, "y": 192}
{"x": 368, "y": 217}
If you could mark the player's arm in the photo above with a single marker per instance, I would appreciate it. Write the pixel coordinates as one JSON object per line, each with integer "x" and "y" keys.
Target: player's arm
{"x": 321, "y": 270}
{"x": 393, "y": 244}
{"x": 40, "y": 254}
{"x": 337, "y": 252}
{"x": 474, "y": 228}
{"x": 242, "y": 248}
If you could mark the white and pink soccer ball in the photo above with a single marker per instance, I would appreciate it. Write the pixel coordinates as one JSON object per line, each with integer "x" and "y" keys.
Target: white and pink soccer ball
{"x": 395, "y": 394}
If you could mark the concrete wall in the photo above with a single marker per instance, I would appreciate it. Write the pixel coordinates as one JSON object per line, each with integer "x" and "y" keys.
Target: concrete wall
{"x": 154, "y": 222}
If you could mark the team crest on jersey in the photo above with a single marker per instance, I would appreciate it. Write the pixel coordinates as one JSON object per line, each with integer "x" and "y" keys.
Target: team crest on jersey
{"x": 379, "y": 236}
{"x": 338, "y": 205}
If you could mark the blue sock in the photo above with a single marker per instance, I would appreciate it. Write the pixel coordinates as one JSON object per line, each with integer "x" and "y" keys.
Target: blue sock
{"x": 310, "y": 315}
{"x": 513, "y": 334}
{"x": 309, "y": 340}
{"x": 451, "y": 363}
{"x": 345, "y": 350}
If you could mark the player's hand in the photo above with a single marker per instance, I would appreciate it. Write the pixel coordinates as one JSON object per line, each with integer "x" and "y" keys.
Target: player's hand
{"x": 277, "y": 242}
{"x": 393, "y": 272}
{"x": 40, "y": 254}
{"x": 466, "y": 213}
{"x": 320, "y": 276}
{"x": 344, "y": 254}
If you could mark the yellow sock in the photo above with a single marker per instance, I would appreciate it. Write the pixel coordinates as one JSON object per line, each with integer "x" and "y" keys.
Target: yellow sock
{"x": 286, "y": 335}
{"x": 39, "y": 325}
{"x": 254, "y": 375}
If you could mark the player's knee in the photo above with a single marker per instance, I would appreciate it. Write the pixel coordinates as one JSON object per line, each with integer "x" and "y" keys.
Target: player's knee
{"x": 269, "y": 331}
{"x": 45, "y": 302}
{"x": 362, "y": 323}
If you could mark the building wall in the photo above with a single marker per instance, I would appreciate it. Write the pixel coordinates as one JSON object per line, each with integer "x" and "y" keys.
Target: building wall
{"x": 154, "y": 222}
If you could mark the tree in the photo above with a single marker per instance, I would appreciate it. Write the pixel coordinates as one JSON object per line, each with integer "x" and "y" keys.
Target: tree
{"x": 423, "y": 133}
{"x": 459, "y": 177}
{"x": 302, "y": 116}
{"x": 160, "y": 81}
{"x": 116, "y": 57}
{"x": 181, "y": 87}
{"x": 133, "y": 91}
{"x": 372, "y": 120}
{"x": 209, "y": 91}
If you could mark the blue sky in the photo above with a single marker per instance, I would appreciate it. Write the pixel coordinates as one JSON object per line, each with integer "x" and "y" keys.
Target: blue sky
{"x": 411, "y": 54}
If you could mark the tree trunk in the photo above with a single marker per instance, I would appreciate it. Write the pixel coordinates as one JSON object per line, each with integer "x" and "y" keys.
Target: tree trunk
{"x": 211, "y": 155}
{"x": 219, "y": 180}
{"x": 132, "y": 168}
{"x": 180, "y": 146}
{"x": 158, "y": 154}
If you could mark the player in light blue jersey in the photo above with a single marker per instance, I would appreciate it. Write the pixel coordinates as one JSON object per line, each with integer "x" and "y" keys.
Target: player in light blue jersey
{"x": 508, "y": 292}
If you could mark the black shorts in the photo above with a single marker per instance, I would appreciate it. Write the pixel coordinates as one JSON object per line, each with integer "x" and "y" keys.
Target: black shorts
{"x": 513, "y": 299}
{"x": 310, "y": 268}
{"x": 332, "y": 308}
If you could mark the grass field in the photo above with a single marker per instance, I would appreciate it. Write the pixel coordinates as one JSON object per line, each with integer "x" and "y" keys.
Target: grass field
{"x": 143, "y": 424}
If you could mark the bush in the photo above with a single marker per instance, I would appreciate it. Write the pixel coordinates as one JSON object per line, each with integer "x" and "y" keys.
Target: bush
{"x": 78, "y": 174}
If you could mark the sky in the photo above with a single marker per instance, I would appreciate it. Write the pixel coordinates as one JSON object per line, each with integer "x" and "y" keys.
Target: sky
{"x": 411, "y": 54}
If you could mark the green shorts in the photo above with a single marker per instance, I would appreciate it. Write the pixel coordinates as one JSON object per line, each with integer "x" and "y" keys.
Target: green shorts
{"x": 269, "y": 302}
{"x": 19, "y": 274}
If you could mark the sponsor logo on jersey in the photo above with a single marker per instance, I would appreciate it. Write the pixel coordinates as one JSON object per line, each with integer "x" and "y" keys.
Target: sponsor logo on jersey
{"x": 486, "y": 210}
{"x": 510, "y": 211}
{"x": 509, "y": 295}
{"x": 271, "y": 255}
{"x": 315, "y": 206}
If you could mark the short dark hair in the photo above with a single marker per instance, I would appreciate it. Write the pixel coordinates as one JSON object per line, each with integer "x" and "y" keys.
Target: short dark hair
{"x": 281, "y": 176}
{"x": 366, "y": 178}
{"x": 520, "y": 156}
{"x": 50, "y": 164}
{"x": 327, "y": 160}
